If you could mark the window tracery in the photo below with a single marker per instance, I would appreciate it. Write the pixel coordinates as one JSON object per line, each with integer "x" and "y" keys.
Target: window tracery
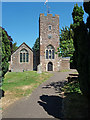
{"x": 24, "y": 56}
{"x": 50, "y": 52}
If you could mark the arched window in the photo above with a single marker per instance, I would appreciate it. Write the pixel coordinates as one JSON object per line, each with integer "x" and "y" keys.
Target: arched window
{"x": 49, "y": 27}
{"x": 46, "y": 54}
{"x": 24, "y": 56}
{"x": 50, "y": 52}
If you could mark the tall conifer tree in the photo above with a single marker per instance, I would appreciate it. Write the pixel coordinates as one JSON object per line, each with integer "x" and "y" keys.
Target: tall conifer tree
{"x": 81, "y": 49}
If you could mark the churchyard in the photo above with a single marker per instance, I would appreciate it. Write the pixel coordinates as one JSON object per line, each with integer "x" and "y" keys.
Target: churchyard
{"x": 20, "y": 84}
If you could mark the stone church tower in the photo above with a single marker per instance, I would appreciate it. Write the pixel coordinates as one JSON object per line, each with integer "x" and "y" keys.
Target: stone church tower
{"x": 44, "y": 59}
{"x": 49, "y": 42}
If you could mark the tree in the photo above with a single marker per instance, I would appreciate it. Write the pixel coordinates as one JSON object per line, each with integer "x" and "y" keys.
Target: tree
{"x": 81, "y": 50}
{"x": 14, "y": 47}
{"x": 66, "y": 42}
{"x": 36, "y": 54}
{"x": 5, "y": 50}
{"x": 0, "y": 57}
{"x": 36, "y": 46}
{"x": 87, "y": 10}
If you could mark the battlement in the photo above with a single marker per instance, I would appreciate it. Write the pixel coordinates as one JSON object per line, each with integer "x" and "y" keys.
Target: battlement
{"x": 42, "y": 14}
{"x": 49, "y": 14}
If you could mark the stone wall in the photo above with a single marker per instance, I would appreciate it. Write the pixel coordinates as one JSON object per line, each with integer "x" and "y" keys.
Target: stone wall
{"x": 44, "y": 23}
{"x": 40, "y": 56}
{"x": 65, "y": 63}
{"x": 16, "y": 65}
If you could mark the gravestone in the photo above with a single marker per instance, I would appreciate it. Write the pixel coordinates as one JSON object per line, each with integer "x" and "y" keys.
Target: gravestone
{"x": 39, "y": 68}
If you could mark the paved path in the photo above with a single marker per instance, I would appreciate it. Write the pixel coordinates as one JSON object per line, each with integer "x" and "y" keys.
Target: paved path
{"x": 44, "y": 102}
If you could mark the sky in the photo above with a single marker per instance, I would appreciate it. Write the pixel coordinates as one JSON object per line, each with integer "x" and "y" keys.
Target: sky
{"x": 21, "y": 19}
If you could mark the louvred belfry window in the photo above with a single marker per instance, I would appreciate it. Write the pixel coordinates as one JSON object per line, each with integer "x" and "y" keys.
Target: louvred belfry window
{"x": 49, "y": 27}
{"x": 50, "y": 52}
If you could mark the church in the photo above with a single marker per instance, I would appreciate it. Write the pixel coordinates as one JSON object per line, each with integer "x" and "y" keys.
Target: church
{"x": 24, "y": 59}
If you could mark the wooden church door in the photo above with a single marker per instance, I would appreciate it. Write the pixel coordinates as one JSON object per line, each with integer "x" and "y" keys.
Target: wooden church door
{"x": 50, "y": 66}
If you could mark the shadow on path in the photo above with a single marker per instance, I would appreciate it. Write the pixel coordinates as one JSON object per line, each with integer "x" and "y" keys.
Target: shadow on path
{"x": 56, "y": 85}
{"x": 52, "y": 105}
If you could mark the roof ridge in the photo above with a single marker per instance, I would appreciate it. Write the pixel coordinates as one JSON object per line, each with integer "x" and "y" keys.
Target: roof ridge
{"x": 21, "y": 45}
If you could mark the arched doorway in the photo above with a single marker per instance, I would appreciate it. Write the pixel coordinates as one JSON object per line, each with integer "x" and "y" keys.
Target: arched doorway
{"x": 50, "y": 66}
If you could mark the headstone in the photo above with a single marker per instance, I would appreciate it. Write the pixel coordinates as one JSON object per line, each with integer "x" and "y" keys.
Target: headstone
{"x": 39, "y": 68}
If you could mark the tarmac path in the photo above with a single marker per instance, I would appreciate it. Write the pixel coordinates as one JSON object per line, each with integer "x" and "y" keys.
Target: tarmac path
{"x": 44, "y": 102}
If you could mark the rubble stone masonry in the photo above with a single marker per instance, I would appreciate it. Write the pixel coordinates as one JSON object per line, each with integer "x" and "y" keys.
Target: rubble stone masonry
{"x": 44, "y": 23}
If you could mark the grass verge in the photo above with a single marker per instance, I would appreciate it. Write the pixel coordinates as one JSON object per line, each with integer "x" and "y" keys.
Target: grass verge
{"x": 65, "y": 70}
{"x": 20, "y": 84}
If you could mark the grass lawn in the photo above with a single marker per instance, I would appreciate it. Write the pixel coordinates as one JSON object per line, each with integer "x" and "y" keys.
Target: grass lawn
{"x": 19, "y": 84}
